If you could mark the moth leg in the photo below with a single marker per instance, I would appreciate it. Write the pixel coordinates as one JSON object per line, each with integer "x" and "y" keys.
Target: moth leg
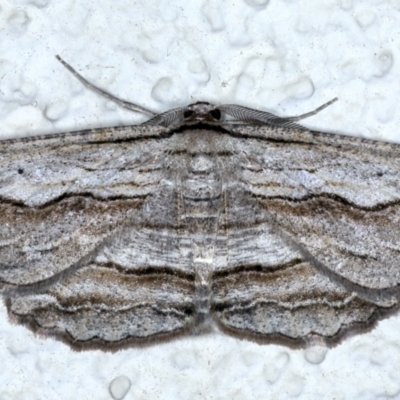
{"x": 122, "y": 103}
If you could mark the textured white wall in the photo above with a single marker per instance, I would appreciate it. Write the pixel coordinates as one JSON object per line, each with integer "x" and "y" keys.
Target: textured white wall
{"x": 282, "y": 56}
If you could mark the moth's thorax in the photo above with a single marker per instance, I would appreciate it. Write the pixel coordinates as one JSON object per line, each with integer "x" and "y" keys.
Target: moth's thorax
{"x": 201, "y": 179}
{"x": 201, "y": 189}
{"x": 202, "y": 173}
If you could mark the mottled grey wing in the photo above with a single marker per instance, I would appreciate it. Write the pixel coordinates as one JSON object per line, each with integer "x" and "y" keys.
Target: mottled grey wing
{"x": 331, "y": 227}
{"x": 77, "y": 254}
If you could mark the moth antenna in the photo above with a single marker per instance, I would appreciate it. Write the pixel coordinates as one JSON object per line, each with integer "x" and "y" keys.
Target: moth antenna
{"x": 311, "y": 113}
{"x": 101, "y": 92}
{"x": 255, "y": 117}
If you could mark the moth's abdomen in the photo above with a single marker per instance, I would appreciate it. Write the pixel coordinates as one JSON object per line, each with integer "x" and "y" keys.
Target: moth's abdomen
{"x": 202, "y": 206}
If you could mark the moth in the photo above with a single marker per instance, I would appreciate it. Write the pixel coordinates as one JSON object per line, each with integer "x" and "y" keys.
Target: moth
{"x": 203, "y": 218}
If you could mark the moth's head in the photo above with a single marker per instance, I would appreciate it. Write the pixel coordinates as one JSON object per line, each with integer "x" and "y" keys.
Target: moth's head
{"x": 201, "y": 111}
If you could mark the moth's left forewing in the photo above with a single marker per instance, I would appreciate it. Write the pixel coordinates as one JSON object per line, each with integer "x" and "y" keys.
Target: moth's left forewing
{"x": 61, "y": 195}
{"x": 333, "y": 202}
{"x": 35, "y": 171}
{"x": 80, "y": 221}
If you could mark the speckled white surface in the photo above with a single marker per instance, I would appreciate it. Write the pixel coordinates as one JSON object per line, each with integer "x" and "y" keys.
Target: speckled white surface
{"x": 283, "y": 56}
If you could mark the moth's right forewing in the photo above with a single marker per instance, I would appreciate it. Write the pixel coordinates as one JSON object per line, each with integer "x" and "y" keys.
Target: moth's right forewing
{"x": 333, "y": 201}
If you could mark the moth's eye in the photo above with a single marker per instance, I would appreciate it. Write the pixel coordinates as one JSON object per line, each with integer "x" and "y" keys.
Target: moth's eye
{"x": 187, "y": 114}
{"x": 216, "y": 114}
